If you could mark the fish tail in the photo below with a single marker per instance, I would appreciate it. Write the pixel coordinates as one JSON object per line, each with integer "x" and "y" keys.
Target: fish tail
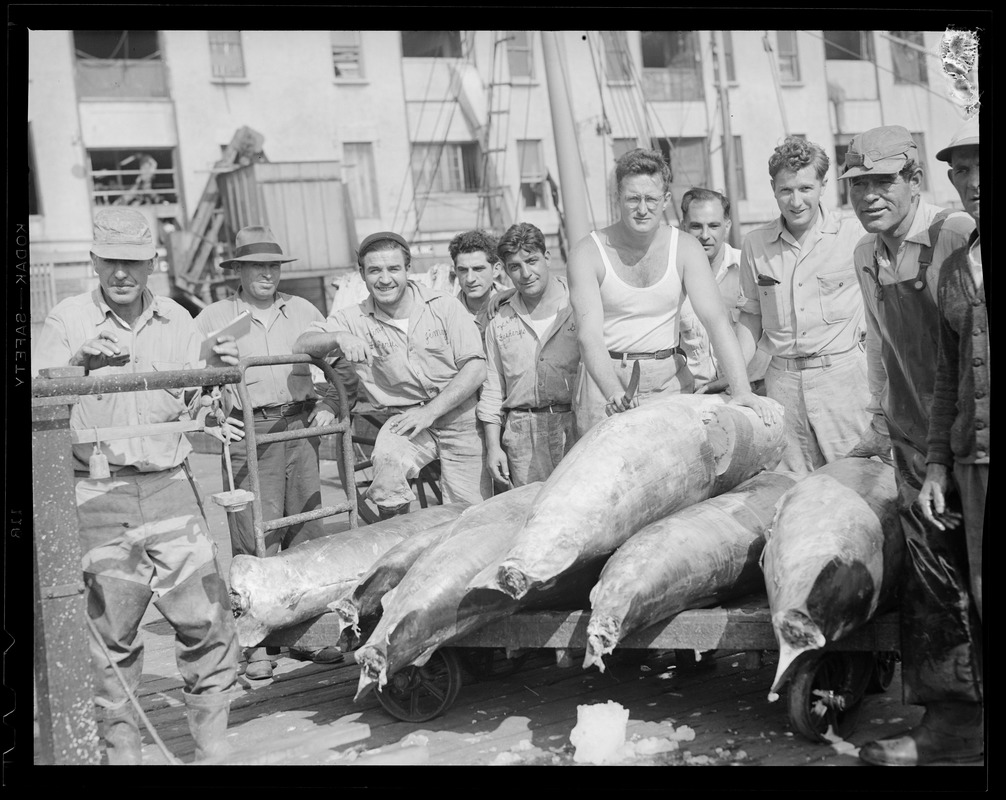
{"x": 797, "y": 634}
{"x": 349, "y": 615}
{"x": 373, "y": 669}
{"x": 602, "y": 636}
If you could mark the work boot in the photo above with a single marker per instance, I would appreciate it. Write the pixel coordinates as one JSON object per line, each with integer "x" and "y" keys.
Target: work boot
{"x": 949, "y": 732}
{"x": 387, "y": 512}
{"x": 121, "y": 732}
{"x": 259, "y": 666}
{"x": 208, "y": 715}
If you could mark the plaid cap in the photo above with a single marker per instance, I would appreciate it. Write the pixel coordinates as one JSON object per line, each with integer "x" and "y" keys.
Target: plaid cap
{"x": 122, "y": 234}
{"x": 966, "y": 135}
{"x": 879, "y": 151}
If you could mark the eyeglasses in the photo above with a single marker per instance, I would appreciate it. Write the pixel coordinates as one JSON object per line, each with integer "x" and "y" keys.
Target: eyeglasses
{"x": 633, "y": 201}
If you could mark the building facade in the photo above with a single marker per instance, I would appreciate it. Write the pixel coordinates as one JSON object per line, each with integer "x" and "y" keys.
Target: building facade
{"x": 438, "y": 131}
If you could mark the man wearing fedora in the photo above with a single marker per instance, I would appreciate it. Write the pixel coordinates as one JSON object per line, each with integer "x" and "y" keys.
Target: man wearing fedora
{"x": 899, "y": 264}
{"x": 418, "y": 354}
{"x": 142, "y": 530}
{"x": 283, "y": 398}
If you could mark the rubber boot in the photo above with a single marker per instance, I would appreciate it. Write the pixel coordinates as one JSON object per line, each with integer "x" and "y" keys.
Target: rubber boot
{"x": 207, "y": 714}
{"x": 121, "y": 732}
{"x": 387, "y": 512}
{"x": 949, "y": 732}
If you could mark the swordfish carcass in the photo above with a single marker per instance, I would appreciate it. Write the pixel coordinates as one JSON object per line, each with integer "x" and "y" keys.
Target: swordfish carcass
{"x": 268, "y": 594}
{"x": 432, "y": 605}
{"x": 833, "y": 556}
{"x": 630, "y": 470}
{"x": 697, "y": 557}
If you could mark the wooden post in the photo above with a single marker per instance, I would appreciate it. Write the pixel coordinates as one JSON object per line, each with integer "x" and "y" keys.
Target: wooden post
{"x": 67, "y": 730}
{"x": 729, "y": 157}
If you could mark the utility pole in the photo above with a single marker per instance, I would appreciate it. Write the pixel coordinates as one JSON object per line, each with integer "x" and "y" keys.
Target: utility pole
{"x": 571, "y": 183}
{"x": 729, "y": 157}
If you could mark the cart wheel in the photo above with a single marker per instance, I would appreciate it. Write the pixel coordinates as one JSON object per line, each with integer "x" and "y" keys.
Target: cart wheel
{"x": 486, "y": 663}
{"x": 418, "y": 694}
{"x": 884, "y": 665}
{"x": 826, "y": 692}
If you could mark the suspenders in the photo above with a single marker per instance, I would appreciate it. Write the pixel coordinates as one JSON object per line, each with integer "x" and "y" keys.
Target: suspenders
{"x": 925, "y": 256}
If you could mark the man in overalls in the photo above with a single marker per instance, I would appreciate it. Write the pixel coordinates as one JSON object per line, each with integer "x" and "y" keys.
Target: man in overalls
{"x": 898, "y": 266}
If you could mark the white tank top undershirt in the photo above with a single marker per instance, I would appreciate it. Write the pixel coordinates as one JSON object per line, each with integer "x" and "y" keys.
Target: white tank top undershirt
{"x": 641, "y": 319}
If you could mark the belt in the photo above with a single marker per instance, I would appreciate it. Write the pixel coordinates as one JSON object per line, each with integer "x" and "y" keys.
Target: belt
{"x": 555, "y": 408}
{"x": 810, "y": 362}
{"x": 659, "y": 355}
{"x": 275, "y": 412}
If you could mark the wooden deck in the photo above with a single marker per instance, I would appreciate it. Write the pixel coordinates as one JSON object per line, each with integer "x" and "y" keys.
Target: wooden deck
{"x": 306, "y": 716}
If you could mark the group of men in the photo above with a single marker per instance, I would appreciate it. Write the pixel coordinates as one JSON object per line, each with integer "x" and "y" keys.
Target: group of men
{"x": 867, "y": 330}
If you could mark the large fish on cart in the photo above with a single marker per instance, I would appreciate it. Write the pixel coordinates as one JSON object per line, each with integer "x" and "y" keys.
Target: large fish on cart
{"x": 700, "y": 556}
{"x": 432, "y": 605}
{"x": 832, "y": 557}
{"x": 628, "y": 471}
{"x": 364, "y": 601}
{"x": 269, "y": 594}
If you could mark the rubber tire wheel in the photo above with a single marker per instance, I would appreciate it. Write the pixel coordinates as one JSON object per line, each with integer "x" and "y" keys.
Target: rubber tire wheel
{"x": 882, "y": 674}
{"x": 823, "y": 672}
{"x": 419, "y": 694}
{"x": 488, "y": 663}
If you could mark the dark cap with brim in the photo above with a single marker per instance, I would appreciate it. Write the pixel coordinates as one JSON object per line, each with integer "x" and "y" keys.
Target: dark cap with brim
{"x": 880, "y": 151}
{"x": 381, "y": 236}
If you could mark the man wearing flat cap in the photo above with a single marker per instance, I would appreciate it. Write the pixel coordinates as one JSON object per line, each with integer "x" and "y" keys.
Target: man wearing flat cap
{"x": 283, "y": 398}
{"x": 142, "y": 529}
{"x": 419, "y": 355}
{"x": 899, "y": 264}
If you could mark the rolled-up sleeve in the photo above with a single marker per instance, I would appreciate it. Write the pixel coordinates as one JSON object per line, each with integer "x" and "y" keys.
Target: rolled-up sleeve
{"x": 748, "y": 301}
{"x": 490, "y": 405}
{"x": 462, "y": 333}
{"x": 53, "y": 346}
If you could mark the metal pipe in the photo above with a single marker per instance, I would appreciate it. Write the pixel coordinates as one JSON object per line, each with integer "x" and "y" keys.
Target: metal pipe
{"x": 134, "y": 381}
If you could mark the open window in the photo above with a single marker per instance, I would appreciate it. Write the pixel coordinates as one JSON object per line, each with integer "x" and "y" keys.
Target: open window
{"x": 672, "y": 68}
{"x": 139, "y": 176}
{"x": 431, "y": 44}
{"x": 119, "y": 64}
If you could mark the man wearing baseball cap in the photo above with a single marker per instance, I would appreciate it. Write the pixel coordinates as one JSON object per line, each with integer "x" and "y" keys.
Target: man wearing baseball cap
{"x": 898, "y": 264}
{"x": 283, "y": 397}
{"x": 419, "y": 355}
{"x": 142, "y": 529}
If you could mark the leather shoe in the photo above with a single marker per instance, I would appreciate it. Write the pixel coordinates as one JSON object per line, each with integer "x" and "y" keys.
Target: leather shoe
{"x": 922, "y": 746}
{"x": 259, "y": 670}
{"x": 324, "y": 655}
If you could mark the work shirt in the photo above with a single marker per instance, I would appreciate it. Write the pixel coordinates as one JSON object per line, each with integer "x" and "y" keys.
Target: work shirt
{"x": 410, "y": 367}
{"x": 525, "y": 370}
{"x": 288, "y": 318}
{"x": 481, "y": 316}
{"x": 694, "y": 338}
{"x": 164, "y": 337}
{"x": 813, "y": 307}
{"x": 959, "y": 418}
{"x": 903, "y": 266}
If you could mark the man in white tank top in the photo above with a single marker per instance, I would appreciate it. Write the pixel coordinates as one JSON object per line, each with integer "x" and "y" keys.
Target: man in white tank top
{"x": 626, "y": 284}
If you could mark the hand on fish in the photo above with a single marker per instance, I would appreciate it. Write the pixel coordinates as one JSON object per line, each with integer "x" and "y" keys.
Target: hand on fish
{"x": 766, "y": 409}
{"x": 617, "y": 404}
{"x": 872, "y": 443}
{"x": 932, "y": 499}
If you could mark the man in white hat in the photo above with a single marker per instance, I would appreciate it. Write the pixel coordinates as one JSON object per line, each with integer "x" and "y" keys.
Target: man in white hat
{"x": 142, "y": 529}
{"x": 283, "y": 397}
{"x": 898, "y": 265}
{"x": 419, "y": 356}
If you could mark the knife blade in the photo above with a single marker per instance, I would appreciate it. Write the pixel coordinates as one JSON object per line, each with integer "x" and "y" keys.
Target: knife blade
{"x": 630, "y": 391}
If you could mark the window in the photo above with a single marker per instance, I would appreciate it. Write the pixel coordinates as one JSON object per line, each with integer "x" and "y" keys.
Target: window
{"x": 671, "y": 66}
{"x": 33, "y": 205}
{"x": 617, "y": 66}
{"x": 346, "y": 54}
{"x": 119, "y": 64}
{"x": 689, "y": 160}
{"x": 788, "y": 59}
{"x": 361, "y": 177}
{"x": 445, "y": 167}
{"x": 728, "y": 56}
{"x": 532, "y": 173}
{"x": 431, "y": 44}
{"x": 848, "y": 45}
{"x": 226, "y": 57}
{"x": 909, "y": 62}
{"x": 518, "y": 48}
{"x": 133, "y": 177}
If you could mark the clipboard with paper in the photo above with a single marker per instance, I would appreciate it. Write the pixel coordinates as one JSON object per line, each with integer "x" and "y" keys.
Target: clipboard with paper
{"x": 237, "y": 327}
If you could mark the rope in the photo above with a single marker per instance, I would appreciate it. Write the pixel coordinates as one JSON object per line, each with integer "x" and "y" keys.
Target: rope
{"x": 129, "y": 693}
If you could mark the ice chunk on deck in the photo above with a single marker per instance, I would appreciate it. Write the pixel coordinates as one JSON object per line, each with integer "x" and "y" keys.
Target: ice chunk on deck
{"x": 599, "y": 732}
